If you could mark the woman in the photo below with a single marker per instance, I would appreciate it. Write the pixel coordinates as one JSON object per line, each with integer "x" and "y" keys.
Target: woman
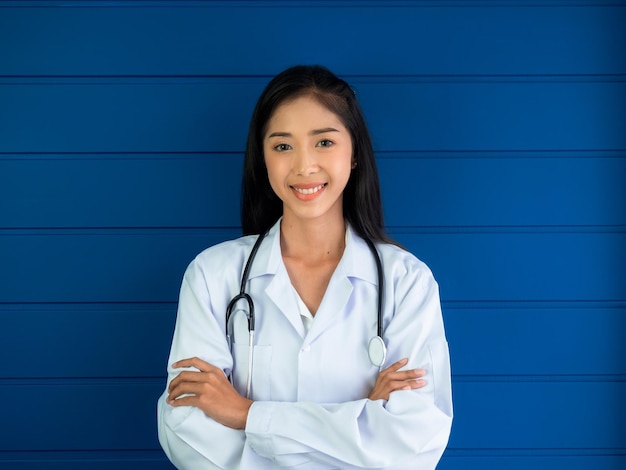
{"x": 308, "y": 394}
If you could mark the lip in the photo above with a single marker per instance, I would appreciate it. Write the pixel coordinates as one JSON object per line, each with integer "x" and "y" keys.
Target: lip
{"x": 308, "y": 191}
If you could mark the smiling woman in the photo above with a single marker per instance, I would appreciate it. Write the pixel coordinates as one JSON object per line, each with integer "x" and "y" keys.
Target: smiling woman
{"x": 302, "y": 375}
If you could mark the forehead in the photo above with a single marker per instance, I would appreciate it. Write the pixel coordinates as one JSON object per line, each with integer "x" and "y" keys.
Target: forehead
{"x": 303, "y": 112}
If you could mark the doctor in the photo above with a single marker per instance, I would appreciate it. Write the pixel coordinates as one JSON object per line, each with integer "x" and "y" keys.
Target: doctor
{"x": 308, "y": 394}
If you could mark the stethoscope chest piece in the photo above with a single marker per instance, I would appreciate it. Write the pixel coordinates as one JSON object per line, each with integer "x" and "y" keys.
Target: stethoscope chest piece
{"x": 377, "y": 351}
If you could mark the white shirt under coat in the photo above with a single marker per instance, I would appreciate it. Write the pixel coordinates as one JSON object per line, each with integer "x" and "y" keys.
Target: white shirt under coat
{"x": 310, "y": 388}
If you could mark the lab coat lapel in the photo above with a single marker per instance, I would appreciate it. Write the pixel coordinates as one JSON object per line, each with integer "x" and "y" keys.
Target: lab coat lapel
{"x": 280, "y": 292}
{"x": 333, "y": 307}
{"x": 356, "y": 263}
{"x": 279, "y": 289}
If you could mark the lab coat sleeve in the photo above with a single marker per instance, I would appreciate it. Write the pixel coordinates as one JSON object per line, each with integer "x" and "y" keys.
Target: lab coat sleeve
{"x": 409, "y": 431}
{"x": 189, "y": 438}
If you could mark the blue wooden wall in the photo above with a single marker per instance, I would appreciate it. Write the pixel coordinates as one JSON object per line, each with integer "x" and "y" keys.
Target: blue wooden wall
{"x": 500, "y": 131}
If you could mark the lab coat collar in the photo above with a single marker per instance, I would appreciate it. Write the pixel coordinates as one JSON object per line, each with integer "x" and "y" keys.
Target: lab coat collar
{"x": 357, "y": 262}
{"x": 269, "y": 257}
{"x": 357, "y": 258}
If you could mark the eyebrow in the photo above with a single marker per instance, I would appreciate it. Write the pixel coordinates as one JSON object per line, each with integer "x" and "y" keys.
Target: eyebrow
{"x": 313, "y": 132}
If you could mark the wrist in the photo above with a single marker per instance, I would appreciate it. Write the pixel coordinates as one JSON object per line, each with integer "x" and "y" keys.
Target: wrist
{"x": 243, "y": 415}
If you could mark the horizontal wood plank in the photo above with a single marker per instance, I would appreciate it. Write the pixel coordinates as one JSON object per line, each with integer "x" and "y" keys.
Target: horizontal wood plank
{"x": 204, "y": 190}
{"x": 147, "y": 266}
{"x": 484, "y": 340}
{"x": 524, "y": 266}
{"x": 502, "y": 191}
{"x": 79, "y": 460}
{"x": 101, "y": 266}
{"x": 524, "y": 462}
{"x": 420, "y": 38}
{"x": 85, "y": 341}
{"x": 212, "y": 115}
{"x": 559, "y": 340}
{"x": 177, "y": 191}
{"x": 80, "y": 415}
{"x": 539, "y": 415}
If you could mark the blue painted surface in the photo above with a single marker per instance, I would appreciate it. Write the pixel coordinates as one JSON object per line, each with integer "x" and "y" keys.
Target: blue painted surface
{"x": 500, "y": 131}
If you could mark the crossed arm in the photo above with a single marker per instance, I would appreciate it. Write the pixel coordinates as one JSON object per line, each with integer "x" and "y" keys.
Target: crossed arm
{"x": 208, "y": 389}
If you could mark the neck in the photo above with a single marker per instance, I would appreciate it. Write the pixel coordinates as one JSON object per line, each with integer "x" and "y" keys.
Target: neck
{"x": 312, "y": 240}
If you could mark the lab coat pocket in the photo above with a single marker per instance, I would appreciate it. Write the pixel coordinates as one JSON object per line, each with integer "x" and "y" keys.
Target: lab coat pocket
{"x": 442, "y": 383}
{"x": 260, "y": 368}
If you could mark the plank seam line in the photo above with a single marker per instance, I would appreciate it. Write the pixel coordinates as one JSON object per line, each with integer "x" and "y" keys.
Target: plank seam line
{"x": 314, "y": 3}
{"x": 360, "y": 79}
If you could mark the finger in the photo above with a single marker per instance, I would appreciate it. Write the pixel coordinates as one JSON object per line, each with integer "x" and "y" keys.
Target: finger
{"x": 187, "y": 376}
{"x": 190, "y": 400}
{"x": 414, "y": 384}
{"x": 185, "y": 388}
{"x": 393, "y": 367}
{"x": 406, "y": 374}
{"x": 406, "y": 385}
{"x": 401, "y": 376}
{"x": 383, "y": 391}
{"x": 396, "y": 365}
{"x": 196, "y": 362}
{"x": 402, "y": 383}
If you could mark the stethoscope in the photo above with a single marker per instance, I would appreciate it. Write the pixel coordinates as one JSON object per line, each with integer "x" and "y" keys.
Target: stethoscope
{"x": 376, "y": 348}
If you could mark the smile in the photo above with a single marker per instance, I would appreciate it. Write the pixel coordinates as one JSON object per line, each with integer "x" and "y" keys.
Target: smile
{"x": 308, "y": 191}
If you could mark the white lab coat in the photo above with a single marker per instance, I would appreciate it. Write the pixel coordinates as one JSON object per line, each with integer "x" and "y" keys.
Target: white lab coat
{"x": 310, "y": 389}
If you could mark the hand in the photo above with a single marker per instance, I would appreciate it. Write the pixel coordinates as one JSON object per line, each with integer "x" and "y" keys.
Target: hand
{"x": 390, "y": 380}
{"x": 210, "y": 391}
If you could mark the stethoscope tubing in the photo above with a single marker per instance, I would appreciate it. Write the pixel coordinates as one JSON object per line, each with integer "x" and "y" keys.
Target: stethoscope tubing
{"x": 250, "y": 314}
{"x": 376, "y": 348}
{"x": 381, "y": 287}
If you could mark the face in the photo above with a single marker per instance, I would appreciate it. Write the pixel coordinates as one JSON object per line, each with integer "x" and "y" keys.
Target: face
{"x": 308, "y": 154}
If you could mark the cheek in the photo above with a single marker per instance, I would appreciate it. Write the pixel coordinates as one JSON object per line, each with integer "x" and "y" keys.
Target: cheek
{"x": 275, "y": 174}
{"x": 344, "y": 167}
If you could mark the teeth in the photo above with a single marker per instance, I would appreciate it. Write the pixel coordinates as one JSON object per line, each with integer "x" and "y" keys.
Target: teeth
{"x": 310, "y": 190}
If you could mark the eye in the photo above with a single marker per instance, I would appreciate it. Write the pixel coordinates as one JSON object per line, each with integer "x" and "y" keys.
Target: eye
{"x": 282, "y": 147}
{"x": 325, "y": 143}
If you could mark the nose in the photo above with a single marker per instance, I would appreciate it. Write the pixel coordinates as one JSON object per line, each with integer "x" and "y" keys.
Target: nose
{"x": 304, "y": 162}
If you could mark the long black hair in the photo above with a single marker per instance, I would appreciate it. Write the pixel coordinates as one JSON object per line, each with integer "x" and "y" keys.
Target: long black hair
{"x": 362, "y": 207}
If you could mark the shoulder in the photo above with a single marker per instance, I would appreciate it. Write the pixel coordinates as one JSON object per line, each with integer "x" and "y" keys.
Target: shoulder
{"x": 222, "y": 260}
{"x": 400, "y": 262}
{"x": 405, "y": 273}
{"x": 413, "y": 290}
{"x": 401, "y": 268}
{"x": 226, "y": 249}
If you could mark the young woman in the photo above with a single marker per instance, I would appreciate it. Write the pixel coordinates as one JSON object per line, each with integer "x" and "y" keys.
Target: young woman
{"x": 314, "y": 387}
